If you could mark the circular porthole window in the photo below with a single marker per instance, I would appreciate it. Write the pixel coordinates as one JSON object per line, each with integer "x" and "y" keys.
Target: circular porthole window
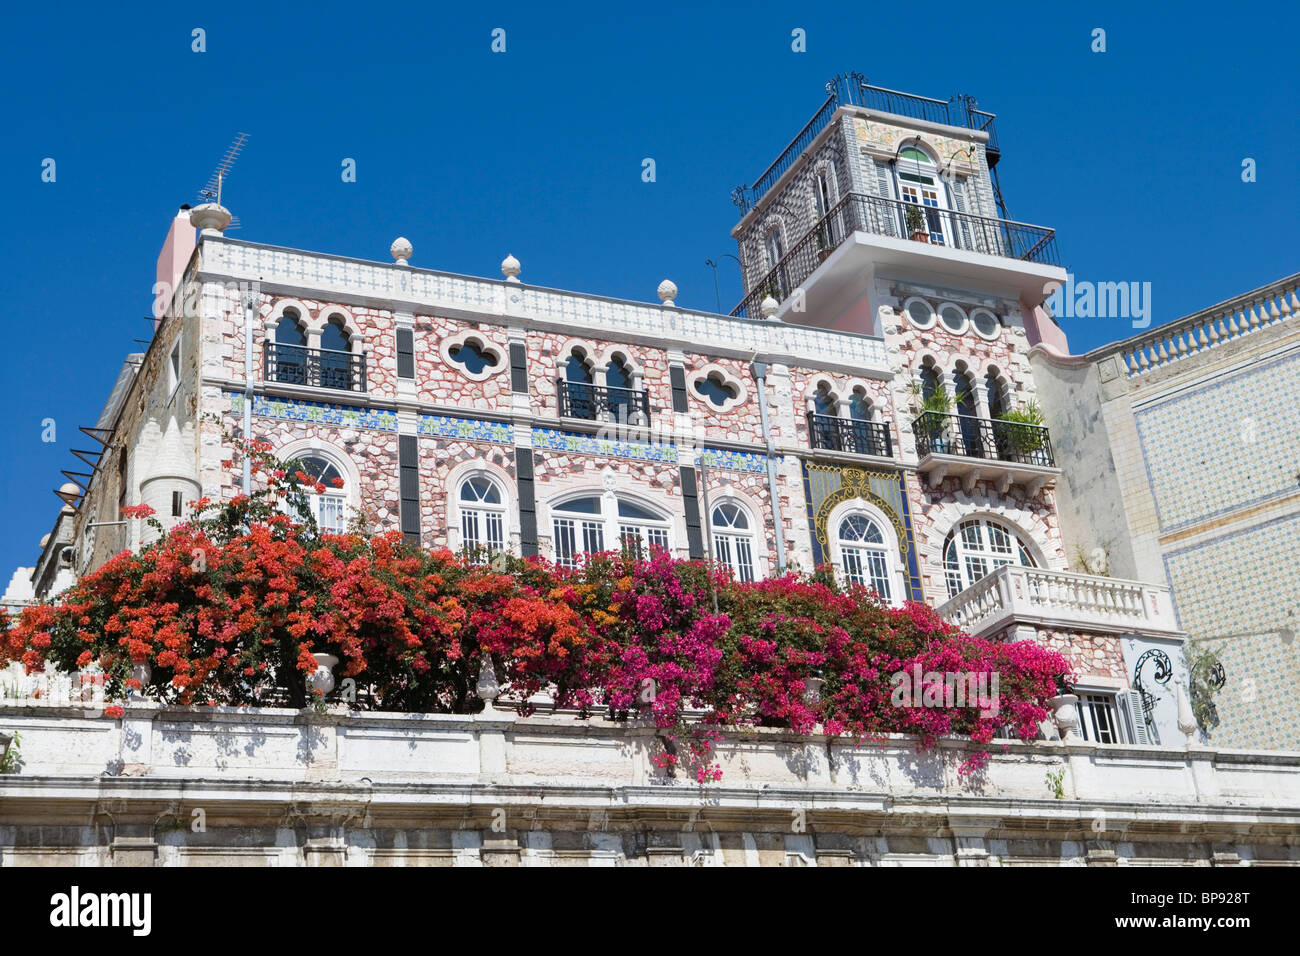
{"x": 953, "y": 318}
{"x": 986, "y": 323}
{"x": 919, "y": 313}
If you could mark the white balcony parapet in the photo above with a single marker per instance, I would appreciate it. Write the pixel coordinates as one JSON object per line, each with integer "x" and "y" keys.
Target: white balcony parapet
{"x": 1061, "y": 600}
{"x": 441, "y": 293}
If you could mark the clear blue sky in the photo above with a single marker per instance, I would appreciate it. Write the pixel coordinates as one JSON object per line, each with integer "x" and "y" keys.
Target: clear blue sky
{"x": 1133, "y": 155}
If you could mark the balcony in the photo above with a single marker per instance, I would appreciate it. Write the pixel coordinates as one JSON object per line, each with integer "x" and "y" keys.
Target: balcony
{"x": 317, "y": 368}
{"x": 1062, "y": 601}
{"x": 942, "y": 234}
{"x": 978, "y": 448}
{"x": 832, "y": 433}
{"x": 603, "y": 403}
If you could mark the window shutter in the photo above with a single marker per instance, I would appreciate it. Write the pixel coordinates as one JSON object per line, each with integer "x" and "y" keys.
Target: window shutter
{"x": 405, "y": 353}
{"x": 1136, "y": 717}
{"x": 409, "y": 487}
{"x": 885, "y": 217}
{"x": 965, "y": 232}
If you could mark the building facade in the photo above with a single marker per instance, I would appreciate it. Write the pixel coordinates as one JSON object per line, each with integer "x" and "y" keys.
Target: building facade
{"x": 1180, "y": 463}
{"x": 868, "y": 404}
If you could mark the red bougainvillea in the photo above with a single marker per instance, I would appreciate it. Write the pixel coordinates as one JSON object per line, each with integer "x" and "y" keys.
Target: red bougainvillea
{"x": 230, "y": 607}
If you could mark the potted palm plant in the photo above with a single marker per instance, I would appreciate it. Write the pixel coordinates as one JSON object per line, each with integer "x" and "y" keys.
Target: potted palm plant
{"x": 932, "y": 412}
{"x": 916, "y": 225}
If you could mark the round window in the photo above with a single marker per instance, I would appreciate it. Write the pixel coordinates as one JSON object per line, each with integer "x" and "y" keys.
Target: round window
{"x": 920, "y": 313}
{"x": 985, "y": 322}
{"x": 953, "y": 318}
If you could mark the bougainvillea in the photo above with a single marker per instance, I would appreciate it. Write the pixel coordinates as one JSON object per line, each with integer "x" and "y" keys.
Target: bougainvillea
{"x": 231, "y": 606}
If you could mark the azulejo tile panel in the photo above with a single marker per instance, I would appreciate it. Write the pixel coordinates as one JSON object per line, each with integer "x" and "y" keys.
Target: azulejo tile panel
{"x": 555, "y": 440}
{"x": 1240, "y": 596}
{"x": 297, "y": 410}
{"x": 1225, "y": 445}
{"x": 734, "y": 460}
{"x": 441, "y": 426}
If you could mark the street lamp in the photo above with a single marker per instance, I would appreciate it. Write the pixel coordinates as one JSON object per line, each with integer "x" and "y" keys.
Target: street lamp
{"x": 714, "y": 266}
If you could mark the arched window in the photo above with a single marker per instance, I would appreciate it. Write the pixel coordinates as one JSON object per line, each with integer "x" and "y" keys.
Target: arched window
{"x": 864, "y": 554}
{"x": 290, "y": 354}
{"x": 993, "y": 388}
{"x": 583, "y": 525}
{"x": 920, "y": 185}
{"x": 774, "y": 244}
{"x": 618, "y": 379}
{"x": 716, "y": 390}
{"x": 978, "y": 546}
{"x": 329, "y": 507}
{"x": 824, "y": 403}
{"x": 963, "y": 391}
{"x": 482, "y": 515}
{"x": 733, "y": 542}
{"x": 334, "y": 359}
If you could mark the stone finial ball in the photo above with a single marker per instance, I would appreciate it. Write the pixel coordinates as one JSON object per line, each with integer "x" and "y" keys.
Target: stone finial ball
{"x": 510, "y": 267}
{"x": 667, "y": 291}
{"x": 401, "y": 249}
{"x": 769, "y": 307}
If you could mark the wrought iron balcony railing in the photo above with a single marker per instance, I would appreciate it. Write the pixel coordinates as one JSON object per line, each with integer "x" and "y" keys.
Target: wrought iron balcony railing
{"x": 322, "y": 368}
{"x": 858, "y": 212}
{"x": 996, "y": 440}
{"x": 833, "y": 433}
{"x": 603, "y": 403}
{"x": 853, "y": 90}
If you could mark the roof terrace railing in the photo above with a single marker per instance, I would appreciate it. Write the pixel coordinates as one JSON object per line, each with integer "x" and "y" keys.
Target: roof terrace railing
{"x": 853, "y": 90}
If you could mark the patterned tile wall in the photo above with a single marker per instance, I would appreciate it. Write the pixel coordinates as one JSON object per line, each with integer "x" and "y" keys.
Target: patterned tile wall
{"x": 1224, "y": 445}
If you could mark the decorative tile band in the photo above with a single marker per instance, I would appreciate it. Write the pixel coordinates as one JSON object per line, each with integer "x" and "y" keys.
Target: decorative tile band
{"x": 297, "y": 410}
{"x": 467, "y": 429}
{"x": 499, "y": 433}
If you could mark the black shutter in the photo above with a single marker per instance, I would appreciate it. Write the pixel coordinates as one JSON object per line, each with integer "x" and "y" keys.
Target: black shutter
{"x": 405, "y": 353}
{"x": 527, "y": 502}
{"x": 677, "y": 376}
{"x": 690, "y": 496}
{"x": 409, "y": 473}
{"x": 518, "y": 367}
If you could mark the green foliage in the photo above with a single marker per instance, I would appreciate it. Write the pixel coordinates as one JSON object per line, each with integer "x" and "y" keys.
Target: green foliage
{"x": 1056, "y": 783}
{"x": 915, "y": 219}
{"x": 1204, "y": 667}
{"x": 12, "y": 759}
{"x": 1023, "y": 427}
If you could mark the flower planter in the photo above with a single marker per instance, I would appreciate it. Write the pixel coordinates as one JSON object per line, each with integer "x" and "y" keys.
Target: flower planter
{"x": 321, "y": 680}
{"x": 1065, "y": 714}
{"x": 920, "y": 235}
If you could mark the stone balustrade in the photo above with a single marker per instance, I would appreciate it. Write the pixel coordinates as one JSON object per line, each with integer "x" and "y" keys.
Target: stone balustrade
{"x": 1062, "y": 600}
{"x": 1204, "y": 330}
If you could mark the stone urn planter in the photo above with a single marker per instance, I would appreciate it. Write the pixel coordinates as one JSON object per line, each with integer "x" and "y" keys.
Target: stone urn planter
{"x": 812, "y": 689}
{"x": 1065, "y": 713}
{"x": 488, "y": 688}
{"x": 141, "y": 672}
{"x": 321, "y": 681}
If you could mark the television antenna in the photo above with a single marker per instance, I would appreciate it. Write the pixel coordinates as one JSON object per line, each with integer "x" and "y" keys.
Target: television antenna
{"x": 211, "y": 191}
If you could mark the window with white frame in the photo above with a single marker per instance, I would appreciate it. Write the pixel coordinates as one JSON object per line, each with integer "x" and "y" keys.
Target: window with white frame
{"x": 482, "y": 515}
{"x": 733, "y": 540}
{"x": 328, "y": 507}
{"x": 919, "y": 183}
{"x": 864, "y": 553}
{"x": 1099, "y": 717}
{"x": 582, "y": 526}
{"x": 977, "y": 547}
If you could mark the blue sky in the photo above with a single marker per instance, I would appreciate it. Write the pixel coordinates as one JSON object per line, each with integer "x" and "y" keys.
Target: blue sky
{"x": 1133, "y": 155}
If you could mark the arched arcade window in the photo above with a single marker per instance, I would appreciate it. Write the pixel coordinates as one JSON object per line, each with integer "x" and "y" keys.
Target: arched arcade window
{"x": 864, "y": 553}
{"x": 482, "y": 515}
{"x": 733, "y": 540}
{"x": 583, "y": 525}
{"x": 328, "y": 507}
{"x": 978, "y": 546}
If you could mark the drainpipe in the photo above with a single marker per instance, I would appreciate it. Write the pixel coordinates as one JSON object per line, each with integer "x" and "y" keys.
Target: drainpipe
{"x": 760, "y": 376}
{"x": 249, "y": 303}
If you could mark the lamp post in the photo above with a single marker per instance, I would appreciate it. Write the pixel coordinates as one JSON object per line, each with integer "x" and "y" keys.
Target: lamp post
{"x": 714, "y": 266}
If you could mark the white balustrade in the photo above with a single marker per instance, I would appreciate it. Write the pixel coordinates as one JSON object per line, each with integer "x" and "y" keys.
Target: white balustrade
{"x": 1209, "y": 328}
{"x": 1061, "y": 600}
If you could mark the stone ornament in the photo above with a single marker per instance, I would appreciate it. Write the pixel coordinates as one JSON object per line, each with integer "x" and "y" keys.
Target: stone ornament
{"x": 510, "y": 268}
{"x": 667, "y": 292}
{"x": 210, "y": 217}
{"x": 769, "y": 307}
{"x": 401, "y": 250}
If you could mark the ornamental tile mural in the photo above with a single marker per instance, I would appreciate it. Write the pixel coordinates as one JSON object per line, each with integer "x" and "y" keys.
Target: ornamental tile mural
{"x": 1240, "y": 453}
{"x": 441, "y": 426}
